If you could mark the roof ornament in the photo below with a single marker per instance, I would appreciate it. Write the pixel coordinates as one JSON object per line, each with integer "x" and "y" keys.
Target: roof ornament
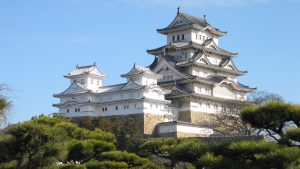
{"x": 204, "y": 16}
{"x": 76, "y": 66}
{"x": 164, "y": 52}
{"x": 178, "y": 9}
{"x": 134, "y": 65}
{"x": 94, "y": 64}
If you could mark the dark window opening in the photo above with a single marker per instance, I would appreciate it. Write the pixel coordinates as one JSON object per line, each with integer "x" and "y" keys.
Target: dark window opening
{"x": 182, "y": 36}
{"x": 178, "y": 37}
{"x": 173, "y": 38}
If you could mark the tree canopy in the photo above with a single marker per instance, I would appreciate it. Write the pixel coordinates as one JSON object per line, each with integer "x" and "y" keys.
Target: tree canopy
{"x": 272, "y": 118}
{"x": 47, "y": 142}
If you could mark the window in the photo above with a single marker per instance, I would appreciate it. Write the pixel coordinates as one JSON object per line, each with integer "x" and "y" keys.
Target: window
{"x": 178, "y": 37}
{"x": 78, "y": 109}
{"x": 196, "y": 36}
{"x": 207, "y": 105}
{"x": 104, "y": 109}
{"x": 92, "y": 81}
{"x": 207, "y": 91}
{"x": 75, "y": 109}
{"x": 82, "y": 81}
{"x": 182, "y": 37}
{"x": 98, "y": 82}
{"x": 173, "y": 38}
{"x": 216, "y": 106}
{"x": 126, "y": 107}
{"x": 68, "y": 110}
{"x": 117, "y": 108}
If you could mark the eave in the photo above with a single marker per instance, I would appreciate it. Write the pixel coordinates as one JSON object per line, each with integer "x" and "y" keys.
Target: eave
{"x": 238, "y": 73}
{"x": 193, "y": 45}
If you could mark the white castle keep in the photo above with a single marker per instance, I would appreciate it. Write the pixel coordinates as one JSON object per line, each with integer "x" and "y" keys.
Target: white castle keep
{"x": 190, "y": 80}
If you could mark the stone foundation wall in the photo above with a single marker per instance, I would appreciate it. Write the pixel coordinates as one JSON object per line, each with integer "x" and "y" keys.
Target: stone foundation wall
{"x": 197, "y": 117}
{"x": 202, "y": 118}
{"x": 147, "y": 122}
{"x": 184, "y": 116}
{"x": 150, "y": 124}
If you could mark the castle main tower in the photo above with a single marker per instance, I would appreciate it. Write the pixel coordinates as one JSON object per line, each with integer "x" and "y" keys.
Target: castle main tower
{"x": 201, "y": 75}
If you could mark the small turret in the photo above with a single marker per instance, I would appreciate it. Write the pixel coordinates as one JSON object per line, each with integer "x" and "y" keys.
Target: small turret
{"x": 141, "y": 75}
{"x": 87, "y": 76}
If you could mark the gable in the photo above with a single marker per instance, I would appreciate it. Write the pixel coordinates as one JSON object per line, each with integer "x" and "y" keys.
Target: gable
{"x": 134, "y": 71}
{"x": 178, "y": 21}
{"x": 165, "y": 69}
{"x": 130, "y": 85}
{"x": 203, "y": 59}
{"x": 74, "y": 89}
{"x": 212, "y": 45}
{"x": 230, "y": 65}
{"x": 96, "y": 71}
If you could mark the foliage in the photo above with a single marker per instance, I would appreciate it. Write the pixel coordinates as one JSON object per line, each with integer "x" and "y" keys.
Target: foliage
{"x": 47, "y": 142}
{"x": 243, "y": 154}
{"x": 294, "y": 134}
{"x": 5, "y": 104}
{"x": 129, "y": 135}
{"x": 127, "y": 131}
{"x": 272, "y": 118}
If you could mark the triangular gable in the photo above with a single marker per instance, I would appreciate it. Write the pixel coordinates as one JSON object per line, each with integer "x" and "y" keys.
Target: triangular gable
{"x": 74, "y": 89}
{"x": 230, "y": 65}
{"x": 96, "y": 71}
{"x": 212, "y": 45}
{"x": 163, "y": 63}
{"x": 179, "y": 20}
{"x": 134, "y": 70}
{"x": 131, "y": 85}
{"x": 175, "y": 91}
{"x": 203, "y": 59}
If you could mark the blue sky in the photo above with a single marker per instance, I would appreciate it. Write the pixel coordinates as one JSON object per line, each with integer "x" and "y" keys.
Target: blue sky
{"x": 40, "y": 40}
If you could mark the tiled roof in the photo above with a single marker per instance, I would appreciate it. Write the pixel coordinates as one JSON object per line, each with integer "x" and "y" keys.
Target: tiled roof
{"x": 139, "y": 70}
{"x": 190, "y": 21}
{"x": 182, "y": 45}
{"x": 82, "y": 70}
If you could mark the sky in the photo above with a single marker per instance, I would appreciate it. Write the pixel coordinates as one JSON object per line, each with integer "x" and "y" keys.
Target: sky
{"x": 41, "y": 40}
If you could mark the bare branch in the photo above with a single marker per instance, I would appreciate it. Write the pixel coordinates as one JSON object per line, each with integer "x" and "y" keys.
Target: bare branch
{"x": 228, "y": 120}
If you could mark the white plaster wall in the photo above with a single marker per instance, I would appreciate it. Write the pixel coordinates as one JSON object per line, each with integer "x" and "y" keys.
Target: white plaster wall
{"x": 214, "y": 59}
{"x": 183, "y": 129}
{"x": 187, "y": 36}
{"x": 224, "y": 91}
{"x": 87, "y": 82}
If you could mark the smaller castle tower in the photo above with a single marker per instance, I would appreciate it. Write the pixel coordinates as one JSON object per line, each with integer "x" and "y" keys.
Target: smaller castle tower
{"x": 89, "y": 77}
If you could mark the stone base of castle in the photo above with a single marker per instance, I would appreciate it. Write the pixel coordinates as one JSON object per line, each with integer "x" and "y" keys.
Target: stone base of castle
{"x": 202, "y": 118}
